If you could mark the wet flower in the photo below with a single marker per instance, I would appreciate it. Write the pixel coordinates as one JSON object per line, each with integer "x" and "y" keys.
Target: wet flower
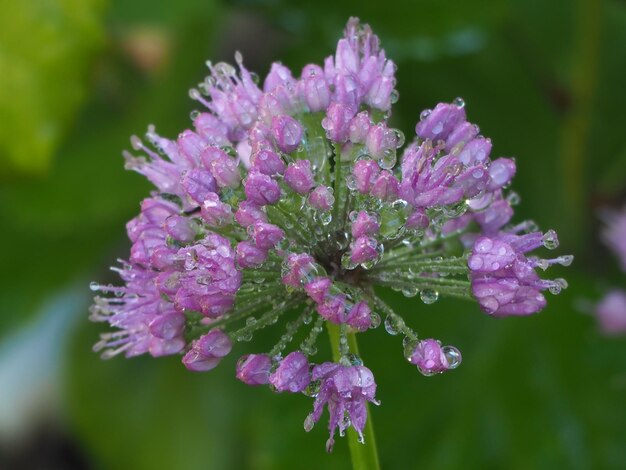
{"x": 610, "y": 312}
{"x": 292, "y": 203}
{"x": 614, "y": 235}
{"x": 345, "y": 390}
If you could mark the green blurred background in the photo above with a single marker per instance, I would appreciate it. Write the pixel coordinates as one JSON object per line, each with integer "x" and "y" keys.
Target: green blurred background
{"x": 544, "y": 79}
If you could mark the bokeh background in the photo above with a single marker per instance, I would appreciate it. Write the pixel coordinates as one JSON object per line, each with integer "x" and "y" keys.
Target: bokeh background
{"x": 544, "y": 79}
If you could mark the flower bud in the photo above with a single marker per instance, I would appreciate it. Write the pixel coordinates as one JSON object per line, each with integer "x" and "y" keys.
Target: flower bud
{"x": 216, "y": 213}
{"x": 440, "y": 122}
{"x": 261, "y": 189}
{"x": 249, "y": 255}
{"x": 198, "y": 184}
{"x": 292, "y": 374}
{"x": 360, "y": 316}
{"x": 207, "y": 351}
{"x": 299, "y": 176}
{"x": 225, "y": 171}
{"x": 318, "y": 288}
{"x": 265, "y": 236}
{"x": 364, "y": 224}
{"x": 321, "y": 198}
{"x": 337, "y": 121}
{"x": 248, "y": 213}
{"x": 429, "y": 357}
{"x": 386, "y": 186}
{"x": 365, "y": 172}
{"x": 254, "y": 369}
{"x": 287, "y": 133}
{"x": 363, "y": 249}
{"x": 268, "y": 162}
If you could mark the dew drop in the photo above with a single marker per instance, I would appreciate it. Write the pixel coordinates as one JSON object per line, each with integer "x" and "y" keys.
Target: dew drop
{"x": 424, "y": 114}
{"x": 429, "y": 296}
{"x": 388, "y": 160}
{"x": 550, "y": 240}
{"x": 565, "y": 260}
{"x": 394, "y": 96}
{"x": 410, "y": 291}
{"x": 453, "y": 356}
{"x": 309, "y": 423}
{"x": 392, "y": 325}
{"x": 94, "y": 286}
{"x": 354, "y": 360}
{"x": 325, "y": 218}
{"x": 513, "y": 198}
{"x": 459, "y": 102}
{"x": 351, "y": 182}
{"x": 400, "y": 139}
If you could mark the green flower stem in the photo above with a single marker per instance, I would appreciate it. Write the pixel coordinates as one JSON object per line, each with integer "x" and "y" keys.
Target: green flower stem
{"x": 576, "y": 129}
{"x": 363, "y": 456}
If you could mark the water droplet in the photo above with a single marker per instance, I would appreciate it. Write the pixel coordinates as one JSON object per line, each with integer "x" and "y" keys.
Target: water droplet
{"x": 354, "y": 360}
{"x": 459, "y": 102}
{"x": 424, "y": 114}
{"x": 429, "y": 296}
{"x": 550, "y": 240}
{"x": 309, "y": 423}
{"x": 250, "y": 321}
{"x": 393, "y": 324}
{"x": 375, "y": 318}
{"x": 453, "y": 356}
{"x": 388, "y": 160}
{"x": 94, "y": 286}
{"x": 400, "y": 139}
{"x": 325, "y": 218}
{"x": 513, "y": 198}
{"x": 245, "y": 336}
{"x": 565, "y": 260}
{"x": 399, "y": 204}
{"x": 194, "y": 114}
{"x": 394, "y": 96}
{"x": 557, "y": 286}
{"x": 346, "y": 261}
{"x": 351, "y": 182}
{"x": 410, "y": 291}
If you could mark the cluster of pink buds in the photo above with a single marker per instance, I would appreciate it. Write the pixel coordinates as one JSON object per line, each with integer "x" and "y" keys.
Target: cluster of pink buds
{"x": 293, "y": 203}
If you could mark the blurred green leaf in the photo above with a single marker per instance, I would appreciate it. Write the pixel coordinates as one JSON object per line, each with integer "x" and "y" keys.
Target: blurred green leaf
{"x": 45, "y": 48}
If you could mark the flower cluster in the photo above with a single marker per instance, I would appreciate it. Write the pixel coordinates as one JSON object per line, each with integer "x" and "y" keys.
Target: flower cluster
{"x": 611, "y": 310}
{"x": 292, "y": 202}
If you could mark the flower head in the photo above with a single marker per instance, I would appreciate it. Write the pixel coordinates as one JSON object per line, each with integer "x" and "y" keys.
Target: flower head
{"x": 291, "y": 203}
{"x": 610, "y": 312}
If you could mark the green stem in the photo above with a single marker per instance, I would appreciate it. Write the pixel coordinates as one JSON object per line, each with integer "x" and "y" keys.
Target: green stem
{"x": 577, "y": 123}
{"x": 363, "y": 456}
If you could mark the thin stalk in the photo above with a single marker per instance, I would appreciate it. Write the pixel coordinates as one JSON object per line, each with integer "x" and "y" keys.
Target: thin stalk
{"x": 574, "y": 150}
{"x": 363, "y": 456}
